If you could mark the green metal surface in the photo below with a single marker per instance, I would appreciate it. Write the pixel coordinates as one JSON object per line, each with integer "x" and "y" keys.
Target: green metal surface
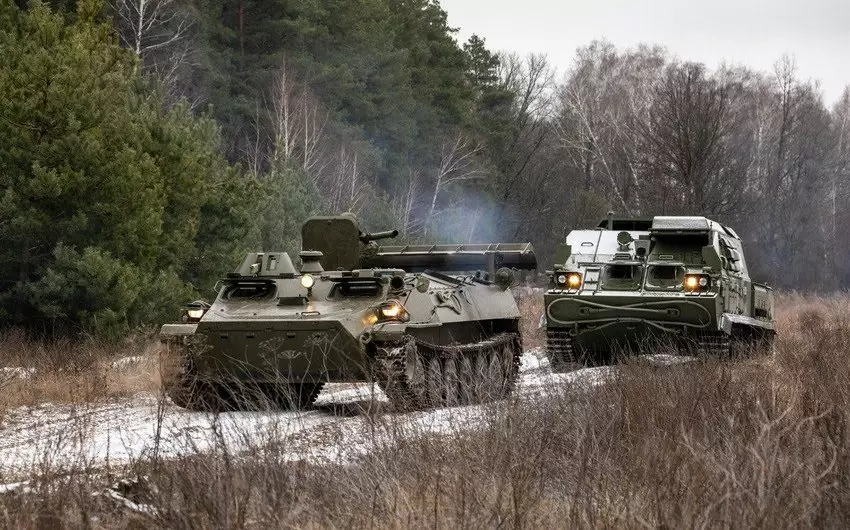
{"x": 634, "y": 289}
{"x": 324, "y": 317}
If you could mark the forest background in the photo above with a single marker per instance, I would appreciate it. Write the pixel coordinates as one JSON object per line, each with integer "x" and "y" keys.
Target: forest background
{"x": 145, "y": 145}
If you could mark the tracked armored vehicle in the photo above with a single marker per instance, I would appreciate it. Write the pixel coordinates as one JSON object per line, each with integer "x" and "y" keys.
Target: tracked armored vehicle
{"x": 630, "y": 285}
{"x": 433, "y": 325}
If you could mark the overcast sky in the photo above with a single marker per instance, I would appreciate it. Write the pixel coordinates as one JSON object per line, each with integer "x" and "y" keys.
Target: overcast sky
{"x": 751, "y": 32}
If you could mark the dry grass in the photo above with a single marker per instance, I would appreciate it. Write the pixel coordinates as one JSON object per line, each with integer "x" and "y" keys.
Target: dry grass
{"x": 763, "y": 442}
{"x": 530, "y": 305}
{"x": 39, "y": 371}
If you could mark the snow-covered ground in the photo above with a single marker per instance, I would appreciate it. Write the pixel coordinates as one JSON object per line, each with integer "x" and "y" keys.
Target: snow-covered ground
{"x": 338, "y": 428}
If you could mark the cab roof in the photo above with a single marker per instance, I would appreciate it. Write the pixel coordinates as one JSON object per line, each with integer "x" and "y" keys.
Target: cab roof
{"x": 664, "y": 224}
{"x": 680, "y": 224}
{"x": 640, "y": 224}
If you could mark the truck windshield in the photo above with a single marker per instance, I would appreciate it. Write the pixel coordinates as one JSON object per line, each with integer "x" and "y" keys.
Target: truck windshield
{"x": 621, "y": 276}
{"x": 665, "y": 277}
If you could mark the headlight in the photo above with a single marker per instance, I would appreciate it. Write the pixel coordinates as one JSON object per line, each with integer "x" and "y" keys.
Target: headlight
{"x": 307, "y": 281}
{"x": 568, "y": 280}
{"x": 697, "y": 282}
{"x": 391, "y": 310}
{"x": 194, "y": 311}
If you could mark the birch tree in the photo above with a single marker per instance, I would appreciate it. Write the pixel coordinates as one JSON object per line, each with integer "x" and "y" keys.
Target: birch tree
{"x": 157, "y": 32}
{"x": 602, "y": 106}
{"x": 458, "y": 162}
{"x": 149, "y": 25}
{"x": 521, "y": 129}
{"x": 297, "y": 121}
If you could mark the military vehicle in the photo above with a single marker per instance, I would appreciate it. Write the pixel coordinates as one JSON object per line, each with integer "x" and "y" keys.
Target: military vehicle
{"x": 433, "y": 325}
{"x": 633, "y": 283}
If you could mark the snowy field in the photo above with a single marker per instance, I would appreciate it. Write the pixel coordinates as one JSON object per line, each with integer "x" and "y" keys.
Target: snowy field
{"x": 340, "y": 426}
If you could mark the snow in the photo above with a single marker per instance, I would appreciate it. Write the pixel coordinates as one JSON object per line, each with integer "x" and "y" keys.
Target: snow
{"x": 15, "y": 487}
{"x": 340, "y": 427}
{"x": 667, "y": 359}
{"x": 123, "y": 489}
{"x": 8, "y": 373}
{"x": 128, "y": 362}
{"x": 533, "y": 360}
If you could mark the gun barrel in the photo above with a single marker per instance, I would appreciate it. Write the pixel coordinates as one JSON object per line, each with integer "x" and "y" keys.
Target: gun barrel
{"x": 489, "y": 257}
{"x": 386, "y": 234}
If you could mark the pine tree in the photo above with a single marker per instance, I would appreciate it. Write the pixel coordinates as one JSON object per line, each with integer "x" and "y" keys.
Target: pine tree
{"x": 104, "y": 191}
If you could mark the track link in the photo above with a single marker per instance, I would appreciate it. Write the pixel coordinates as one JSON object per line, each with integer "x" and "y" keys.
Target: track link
{"x": 714, "y": 344}
{"x": 419, "y": 375}
{"x": 561, "y": 351}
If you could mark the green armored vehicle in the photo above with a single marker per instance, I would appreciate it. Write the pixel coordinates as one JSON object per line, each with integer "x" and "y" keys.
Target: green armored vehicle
{"x": 432, "y": 325}
{"x": 631, "y": 284}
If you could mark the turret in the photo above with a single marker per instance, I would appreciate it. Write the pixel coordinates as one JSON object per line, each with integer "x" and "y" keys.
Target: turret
{"x": 345, "y": 247}
{"x": 340, "y": 240}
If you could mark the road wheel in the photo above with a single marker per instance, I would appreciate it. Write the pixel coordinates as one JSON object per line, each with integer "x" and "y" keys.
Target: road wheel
{"x": 481, "y": 389}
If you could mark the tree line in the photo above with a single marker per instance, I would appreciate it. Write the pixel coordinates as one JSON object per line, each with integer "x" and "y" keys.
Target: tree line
{"x": 148, "y": 143}
{"x": 760, "y": 151}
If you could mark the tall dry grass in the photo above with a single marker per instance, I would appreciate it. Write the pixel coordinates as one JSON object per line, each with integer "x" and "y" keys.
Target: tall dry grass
{"x": 34, "y": 370}
{"x": 760, "y": 442}
{"x": 530, "y": 303}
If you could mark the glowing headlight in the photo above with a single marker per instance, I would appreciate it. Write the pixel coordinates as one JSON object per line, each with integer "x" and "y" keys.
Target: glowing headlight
{"x": 194, "y": 311}
{"x": 391, "y": 310}
{"x": 307, "y": 281}
{"x": 569, "y": 280}
{"x": 696, "y": 282}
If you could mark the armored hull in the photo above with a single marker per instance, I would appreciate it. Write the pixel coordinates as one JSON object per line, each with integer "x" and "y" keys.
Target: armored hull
{"x": 632, "y": 285}
{"x": 429, "y": 338}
